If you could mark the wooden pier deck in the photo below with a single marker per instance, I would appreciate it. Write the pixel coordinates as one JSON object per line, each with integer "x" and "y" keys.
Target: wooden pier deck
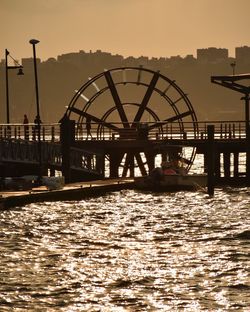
{"x": 72, "y": 191}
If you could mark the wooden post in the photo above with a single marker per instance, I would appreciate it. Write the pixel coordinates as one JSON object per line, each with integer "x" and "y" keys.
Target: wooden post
{"x": 52, "y": 172}
{"x": 100, "y": 165}
{"x": 248, "y": 155}
{"x": 217, "y": 165}
{"x": 210, "y": 153}
{"x": 150, "y": 156}
{"x": 52, "y": 134}
{"x": 247, "y": 126}
{"x": 226, "y": 164}
{"x": 236, "y": 164}
{"x": 115, "y": 159}
{"x": 67, "y": 137}
{"x": 132, "y": 167}
{"x": 163, "y": 157}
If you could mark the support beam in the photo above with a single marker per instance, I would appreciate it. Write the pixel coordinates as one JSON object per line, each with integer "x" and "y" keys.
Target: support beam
{"x": 236, "y": 164}
{"x": 248, "y": 155}
{"x": 67, "y": 137}
{"x": 115, "y": 159}
{"x": 140, "y": 164}
{"x": 226, "y": 164}
{"x": 210, "y": 160}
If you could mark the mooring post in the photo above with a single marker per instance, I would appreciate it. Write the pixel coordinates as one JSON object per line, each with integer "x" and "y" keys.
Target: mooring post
{"x": 100, "y": 165}
{"x": 226, "y": 165}
{"x": 236, "y": 164}
{"x": 67, "y": 137}
{"x": 248, "y": 155}
{"x": 115, "y": 159}
{"x": 247, "y": 126}
{"x": 210, "y": 155}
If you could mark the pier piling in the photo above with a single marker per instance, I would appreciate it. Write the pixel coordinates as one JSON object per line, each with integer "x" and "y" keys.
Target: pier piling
{"x": 210, "y": 155}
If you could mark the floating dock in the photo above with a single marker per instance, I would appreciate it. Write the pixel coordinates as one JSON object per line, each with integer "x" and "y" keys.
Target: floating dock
{"x": 73, "y": 191}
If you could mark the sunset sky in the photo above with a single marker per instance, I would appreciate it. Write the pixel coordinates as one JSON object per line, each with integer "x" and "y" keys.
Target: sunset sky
{"x": 152, "y": 28}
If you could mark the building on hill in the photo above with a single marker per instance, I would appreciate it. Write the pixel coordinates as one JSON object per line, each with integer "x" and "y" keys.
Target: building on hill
{"x": 29, "y": 62}
{"x": 242, "y": 54}
{"x": 212, "y": 55}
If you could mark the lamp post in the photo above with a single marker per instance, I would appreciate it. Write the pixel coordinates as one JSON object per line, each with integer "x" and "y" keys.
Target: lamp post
{"x": 20, "y": 72}
{"x": 34, "y": 42}
{"x": 233, "y": 67}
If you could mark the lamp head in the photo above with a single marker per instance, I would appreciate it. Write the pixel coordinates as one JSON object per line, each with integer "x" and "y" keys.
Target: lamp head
{"x": 34, "y": 41}
{"x": 20, "y": 71}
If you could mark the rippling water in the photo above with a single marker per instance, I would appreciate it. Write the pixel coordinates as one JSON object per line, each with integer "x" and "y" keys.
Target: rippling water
{"x": 128, "y": 251}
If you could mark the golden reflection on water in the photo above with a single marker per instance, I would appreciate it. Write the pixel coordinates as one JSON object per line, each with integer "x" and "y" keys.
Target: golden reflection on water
{"x": 128, "y": 251}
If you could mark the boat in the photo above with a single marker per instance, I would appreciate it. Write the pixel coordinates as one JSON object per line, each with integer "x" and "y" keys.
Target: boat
{"x": 172, "y": 183}
{"x": 171, "y": 176}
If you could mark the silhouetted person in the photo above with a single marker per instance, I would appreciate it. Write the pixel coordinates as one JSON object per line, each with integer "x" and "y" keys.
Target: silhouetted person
{"x": 88, "y": 126}
{"x": 26, "y": 127}
{"x": 37, "y": 123}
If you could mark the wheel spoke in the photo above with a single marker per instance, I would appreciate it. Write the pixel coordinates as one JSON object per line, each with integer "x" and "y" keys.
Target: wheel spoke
{"x": 128, "y": 160}
{"x": 171, "y": 119}
{"x": 116, "y": 99}
{"x": 94, "y": 84}
{"x": 82, "y": 95}
{"x": 168, "y": 87}
{"x": 139, "y": 76}
{"x": 146, "y": 99}
{"x": 129, "y": 164}
{"x": 95, "y": 119}
{"x": 140, "y": 164}
{"x": 178, "y": 100}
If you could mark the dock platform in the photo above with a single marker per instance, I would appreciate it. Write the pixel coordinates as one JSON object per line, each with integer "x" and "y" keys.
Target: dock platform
{"x": 72, "y": 191}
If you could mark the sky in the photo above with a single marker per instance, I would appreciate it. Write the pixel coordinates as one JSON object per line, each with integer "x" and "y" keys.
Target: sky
{"x": 152, "y": 28}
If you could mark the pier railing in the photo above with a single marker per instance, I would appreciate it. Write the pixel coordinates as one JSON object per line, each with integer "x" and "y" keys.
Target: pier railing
{"x": 27, "y": 153}
{"x": 224, "y": 130}
{"x": 28, "y": 132}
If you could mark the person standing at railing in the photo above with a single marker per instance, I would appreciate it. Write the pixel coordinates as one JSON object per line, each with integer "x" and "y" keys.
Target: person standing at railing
{"x": 37, "y": 123}
{"x": 26, "y": 127}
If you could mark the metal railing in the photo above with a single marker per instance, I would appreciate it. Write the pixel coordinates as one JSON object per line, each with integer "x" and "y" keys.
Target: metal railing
{"x": 27, "y": 152}
{"x": 224, "y": 130}
{"x": 29, "y": 132}
{"x": 81, "y": 159}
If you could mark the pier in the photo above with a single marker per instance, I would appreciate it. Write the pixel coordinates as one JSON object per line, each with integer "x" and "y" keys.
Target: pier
{"x": 87, "y": 157}
{"x": 85, "y": 146}
{"x": 71, "y": 191}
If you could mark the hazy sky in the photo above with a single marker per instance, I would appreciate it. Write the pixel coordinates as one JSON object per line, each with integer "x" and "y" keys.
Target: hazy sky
{"x": 152, "y": 28}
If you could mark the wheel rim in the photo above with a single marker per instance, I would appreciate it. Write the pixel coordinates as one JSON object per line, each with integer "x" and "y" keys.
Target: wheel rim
{"x": 112, "y": 94}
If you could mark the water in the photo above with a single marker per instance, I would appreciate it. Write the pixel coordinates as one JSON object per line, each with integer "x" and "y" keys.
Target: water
{"x": 128, "y": 251}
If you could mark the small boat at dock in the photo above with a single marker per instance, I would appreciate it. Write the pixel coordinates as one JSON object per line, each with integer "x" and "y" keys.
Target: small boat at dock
{"x": 172, "y": 183}
{"x": 170, "y": 177}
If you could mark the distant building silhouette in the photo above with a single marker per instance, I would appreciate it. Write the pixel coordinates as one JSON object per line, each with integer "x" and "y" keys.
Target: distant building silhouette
{"x": 28, "y": 62}
{"x": 242, "y": 54}
{"x": 60, "y": 76}
{"x": 211, "y": 55}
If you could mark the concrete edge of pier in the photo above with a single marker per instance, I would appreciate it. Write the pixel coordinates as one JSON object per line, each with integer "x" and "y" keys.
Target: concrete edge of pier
{"x": 74, "y": 191}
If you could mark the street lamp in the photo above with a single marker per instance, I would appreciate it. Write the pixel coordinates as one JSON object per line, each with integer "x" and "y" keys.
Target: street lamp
{"x": 20, "y": 72}
{"x": 34, "y": 42}
{"x": 233, "y": 67}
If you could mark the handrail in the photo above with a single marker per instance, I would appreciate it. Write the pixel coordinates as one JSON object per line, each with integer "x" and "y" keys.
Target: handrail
{"x": 224, "y": 130}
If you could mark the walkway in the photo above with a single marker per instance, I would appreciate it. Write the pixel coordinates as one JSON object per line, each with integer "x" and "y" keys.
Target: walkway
{"x": 73, "y": 191}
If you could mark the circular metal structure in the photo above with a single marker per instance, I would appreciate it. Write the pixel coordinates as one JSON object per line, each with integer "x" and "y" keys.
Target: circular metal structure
{"x": 122, "y": 100}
